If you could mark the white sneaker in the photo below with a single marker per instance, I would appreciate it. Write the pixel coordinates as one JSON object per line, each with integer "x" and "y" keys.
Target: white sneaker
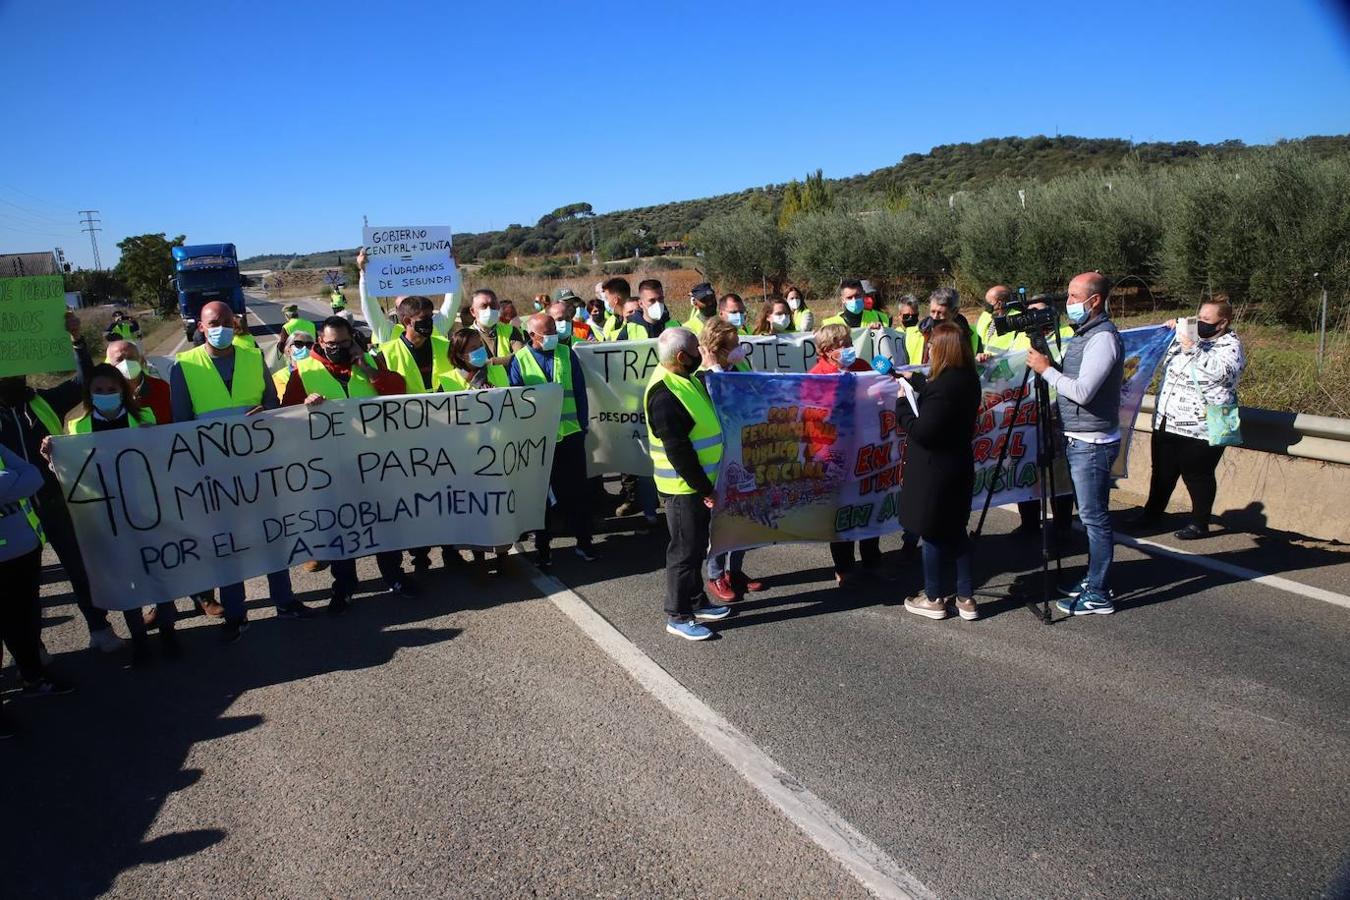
{"x": 105, "y": 639}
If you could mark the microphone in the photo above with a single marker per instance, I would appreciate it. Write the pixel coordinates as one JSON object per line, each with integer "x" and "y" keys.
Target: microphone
{"x": 883, "y": 364}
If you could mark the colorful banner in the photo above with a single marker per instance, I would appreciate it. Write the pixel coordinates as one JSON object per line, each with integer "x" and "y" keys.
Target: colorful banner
{"x": 33, "y": 336}
{"x": 818, "y": 458}
{"x": 166, "y": 511}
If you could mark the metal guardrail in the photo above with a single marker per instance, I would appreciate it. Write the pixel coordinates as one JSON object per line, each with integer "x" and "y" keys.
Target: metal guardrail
{"x": 1320, "y": 438}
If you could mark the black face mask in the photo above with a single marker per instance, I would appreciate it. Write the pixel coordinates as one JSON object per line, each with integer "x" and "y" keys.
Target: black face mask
{"x": 1206, "y": 330}
{"x": 909, "y": 320}
{"x": 339, "y": 356}
{"x": 598, "y": 315}
{"x": 423, "y": 327}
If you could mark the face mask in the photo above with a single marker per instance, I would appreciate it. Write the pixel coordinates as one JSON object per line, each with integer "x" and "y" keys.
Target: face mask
{"x": 548, "y": 342}
{"x": 740, "y": 353}
{"x": 847, "y": 357}
{"x": 130, "y": 369}
{"x": 339, "y": 356}
{"x": 598, "y": 315}
{"x": 795, "y": 302}
{"x": 299, "y": 352}
{"x": 538, "y": 307}
{"x": 219, "y": 336}
{"x": 854, "y": 305}
{"x": 423, "y": 327}
{"x": 737, "y": 319}
{"x": 107, "y": 405}
{"x": 656, "y": 312}
{"x": 1077, "y": 312}
{"x": 487, "y": 317}
{"x": 564, "y": 327}
{"x": 579, "y": 315}
{"x": 779, "y": 320}
{"x": 478, "y": 358}
{"x": 909, "y": 321}
{"x": 1206, "y": 330}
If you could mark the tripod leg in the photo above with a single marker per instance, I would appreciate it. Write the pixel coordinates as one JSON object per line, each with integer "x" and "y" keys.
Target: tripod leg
{"x": 1002, "y": 457}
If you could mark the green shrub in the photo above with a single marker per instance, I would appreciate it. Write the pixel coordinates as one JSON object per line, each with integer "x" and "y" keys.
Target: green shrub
{"x": 499, "y": 267}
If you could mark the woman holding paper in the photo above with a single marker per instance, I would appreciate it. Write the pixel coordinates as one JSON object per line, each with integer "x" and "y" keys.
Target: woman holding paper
{"x": 834, "y": 346}
{"x": 939, "y": 476}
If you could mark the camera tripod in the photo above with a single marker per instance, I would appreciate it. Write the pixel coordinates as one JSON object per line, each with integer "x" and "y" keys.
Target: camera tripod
{"x": 1047, "y": 449}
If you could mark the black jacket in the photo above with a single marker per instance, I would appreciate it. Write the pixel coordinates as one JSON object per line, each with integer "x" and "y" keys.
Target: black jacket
{"x": 672, "y": 423}
{"x": 939, "y": 475}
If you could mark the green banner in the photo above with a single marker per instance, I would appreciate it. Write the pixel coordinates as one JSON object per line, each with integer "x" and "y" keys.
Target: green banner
{"x": 33, "y": 336}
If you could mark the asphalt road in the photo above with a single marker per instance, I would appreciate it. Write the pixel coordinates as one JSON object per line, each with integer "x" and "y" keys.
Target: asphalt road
{"x": 472, "y": 742}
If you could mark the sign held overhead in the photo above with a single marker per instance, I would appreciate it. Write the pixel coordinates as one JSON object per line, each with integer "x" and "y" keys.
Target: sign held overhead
{"x": 409, "y": 259}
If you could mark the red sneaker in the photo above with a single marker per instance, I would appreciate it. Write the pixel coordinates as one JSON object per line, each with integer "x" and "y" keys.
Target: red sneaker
{"x": 721, "y": 589}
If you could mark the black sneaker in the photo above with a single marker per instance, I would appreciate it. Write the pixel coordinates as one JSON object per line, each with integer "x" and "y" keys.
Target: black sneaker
{"x": 1191, "y": 533}
{"x": 296, "y": 610}
{"x": 339, "y": 604}
{"x": 46, "y": 687}
{"x": 403, "y": 587}
{"x": 233, "y": 631}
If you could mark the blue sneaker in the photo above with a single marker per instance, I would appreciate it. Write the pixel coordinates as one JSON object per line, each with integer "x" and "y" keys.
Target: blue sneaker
{"x": 690, "y": 631}
{"x": 1088, "y": 603}
{"x": 712, "y": 613}
{"x": 1075, "y": 589}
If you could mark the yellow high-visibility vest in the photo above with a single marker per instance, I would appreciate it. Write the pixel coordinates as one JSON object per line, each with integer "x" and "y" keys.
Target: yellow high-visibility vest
{"x": 85, "y": 423}
{"x": 207, "y": 389}
{"x": 400, "y": 360}
{"x": 706, "y": 435}
{"x": 28, "y": 513}
{"x": 454, "y": 380}
{"x": 531, "y": 373}
{"x": 316, "y": 379}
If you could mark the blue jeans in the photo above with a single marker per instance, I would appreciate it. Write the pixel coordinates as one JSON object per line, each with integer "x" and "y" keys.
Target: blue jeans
{"x": 723, "y": 563}
{"x": 1090, "y": 469}
{"x": 939, "y": 556}
{"x": 278, "y": 587}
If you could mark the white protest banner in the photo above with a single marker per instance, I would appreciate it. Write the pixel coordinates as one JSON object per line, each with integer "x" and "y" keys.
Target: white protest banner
{"x": 409, "y": 259}
{"x": 617, "y": 373}
{"x": 170, "y": 510}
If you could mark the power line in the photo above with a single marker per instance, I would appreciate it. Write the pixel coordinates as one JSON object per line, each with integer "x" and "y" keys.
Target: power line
{"x": 90, "y": 224}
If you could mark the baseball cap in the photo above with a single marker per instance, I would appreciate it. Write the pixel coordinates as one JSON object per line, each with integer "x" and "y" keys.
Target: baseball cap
{"x": 566, "y": 295}
{"x": 702, "y": 290}
{"x": 867, "y": 287}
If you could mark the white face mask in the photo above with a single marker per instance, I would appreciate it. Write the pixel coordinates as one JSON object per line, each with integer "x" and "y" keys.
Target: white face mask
{"x": 130, "y": 369}
{"x": 740, "y": 353}
{"x": 795, "y": 302}
{"x": 780, "y": 320}
{"x": 656, "y": 311}
{"x": 487, "y": 317}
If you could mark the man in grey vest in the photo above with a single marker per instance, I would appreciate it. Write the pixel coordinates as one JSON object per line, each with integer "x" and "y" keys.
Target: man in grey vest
{"x": 1088, "y": 389}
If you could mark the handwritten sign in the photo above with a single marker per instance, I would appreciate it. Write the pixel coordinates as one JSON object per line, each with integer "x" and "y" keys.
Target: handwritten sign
{"x": 174, "y": 509}
{"x": 33, "y": 336}
{"x": 409, "y": 259}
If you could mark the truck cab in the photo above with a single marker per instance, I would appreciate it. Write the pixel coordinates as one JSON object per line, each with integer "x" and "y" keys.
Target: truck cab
{"x": 203, "y": 273}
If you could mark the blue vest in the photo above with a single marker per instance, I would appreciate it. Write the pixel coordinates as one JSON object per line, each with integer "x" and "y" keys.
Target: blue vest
{"x": 1102, "y": 412}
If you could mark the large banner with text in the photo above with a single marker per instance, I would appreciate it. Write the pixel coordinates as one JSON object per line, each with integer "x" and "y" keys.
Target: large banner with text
{"x": 166, "y": 511}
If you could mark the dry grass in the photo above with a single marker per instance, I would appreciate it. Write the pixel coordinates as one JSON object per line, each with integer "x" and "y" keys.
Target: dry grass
{"x": 94, "y": 322}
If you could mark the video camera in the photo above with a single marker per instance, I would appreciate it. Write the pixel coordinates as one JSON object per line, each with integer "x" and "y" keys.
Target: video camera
{"x": 1018, "y": 317}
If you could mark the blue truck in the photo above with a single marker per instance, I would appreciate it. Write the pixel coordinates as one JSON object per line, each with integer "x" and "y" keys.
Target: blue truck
{"x": 203, "y": 273}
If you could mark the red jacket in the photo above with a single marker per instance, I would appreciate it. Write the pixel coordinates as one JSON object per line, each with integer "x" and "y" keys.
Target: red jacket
{"x": 825, "y": 367}
{"x": 385, "y": 383}
{"x": 154, "y": 395}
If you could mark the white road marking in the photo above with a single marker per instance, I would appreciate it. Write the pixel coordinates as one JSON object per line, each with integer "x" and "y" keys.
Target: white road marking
{"x": 865, "y": 861}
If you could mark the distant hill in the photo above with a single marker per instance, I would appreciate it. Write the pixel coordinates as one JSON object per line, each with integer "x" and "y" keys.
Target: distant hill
{"x": 941, "y": 171}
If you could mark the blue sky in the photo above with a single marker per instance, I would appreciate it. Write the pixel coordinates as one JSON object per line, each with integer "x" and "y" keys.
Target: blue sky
{"x": 278, "y": 125}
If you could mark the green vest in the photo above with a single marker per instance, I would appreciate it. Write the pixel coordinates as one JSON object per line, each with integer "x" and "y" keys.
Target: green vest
{"x": 207, "y": 389}
{"x": 695, "y": 324}
{"x": 501, "y": 333}
{"x": 316, "y": 379}
{"x": 291, "y": 326}
{"x": 85, "y": 423}
{"x": 617, "y": 329}
{"x": 799, "y": 319}
{"x": 868, "y": 317}
{"x": 530, "y": 373}
{"x": 453, "y": 380}
{"x": 123, "y": 331}
{"x": 45, "y": 414}
{"x": 28, "y": 513}
{"x": 400, "y": 360}
{"x": 706, "y": 435}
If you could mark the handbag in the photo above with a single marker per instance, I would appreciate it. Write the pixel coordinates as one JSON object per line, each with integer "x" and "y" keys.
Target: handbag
{"x": 1221, "y": 419}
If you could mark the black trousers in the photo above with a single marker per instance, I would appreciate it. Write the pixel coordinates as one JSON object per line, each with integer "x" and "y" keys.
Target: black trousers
{"x": 390, "y": 564}
{"x": 1193, "y": 461}
{"x": 688, "y": 520}
{"x": 60, "y": 530}
{"x": 21, "y": 612}
{"x": 842, "y": 554}
{"x": 571, "y": 489}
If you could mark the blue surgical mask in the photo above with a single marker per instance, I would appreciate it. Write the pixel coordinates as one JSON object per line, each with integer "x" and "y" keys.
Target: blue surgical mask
{"x": 548, "y": 342}
{"x": 854, "y": 304}
{"x": 847, "y": 357}
{"x": 108, "y": 405}
{"x": 1077, "y": 312}
{"x": 478, "y": 358}
{"x": 299, "y": 352}
{"x": 736, "y": 318}
{"x": 564, "y": 327}
{"x": 219, "y": 336}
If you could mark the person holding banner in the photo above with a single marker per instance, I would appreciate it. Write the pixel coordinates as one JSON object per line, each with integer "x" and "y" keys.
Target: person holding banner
{"x": 150, "y": 391}
{"x": 417, "y": 353}
{"x": 27, "y": 417}
{"x": 834, "y": 345}
{"x": 540, "y": 363}
{"x": 685, "y": 441}
{"x": 1087, "y": 386}
{"x": 473, "y": 369}
{"x": 855, "y": 313}
{"x": 383, "y": 327}
{"x": 802, "y": 317}
{"x": 939, "y": 474}
{"x": 219, "y": 378}
{"x": 110, "y": 405}
{"x": 21, "y": 572}
{"x": 721, "y": 348}
{"x": 703, "y": 307}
